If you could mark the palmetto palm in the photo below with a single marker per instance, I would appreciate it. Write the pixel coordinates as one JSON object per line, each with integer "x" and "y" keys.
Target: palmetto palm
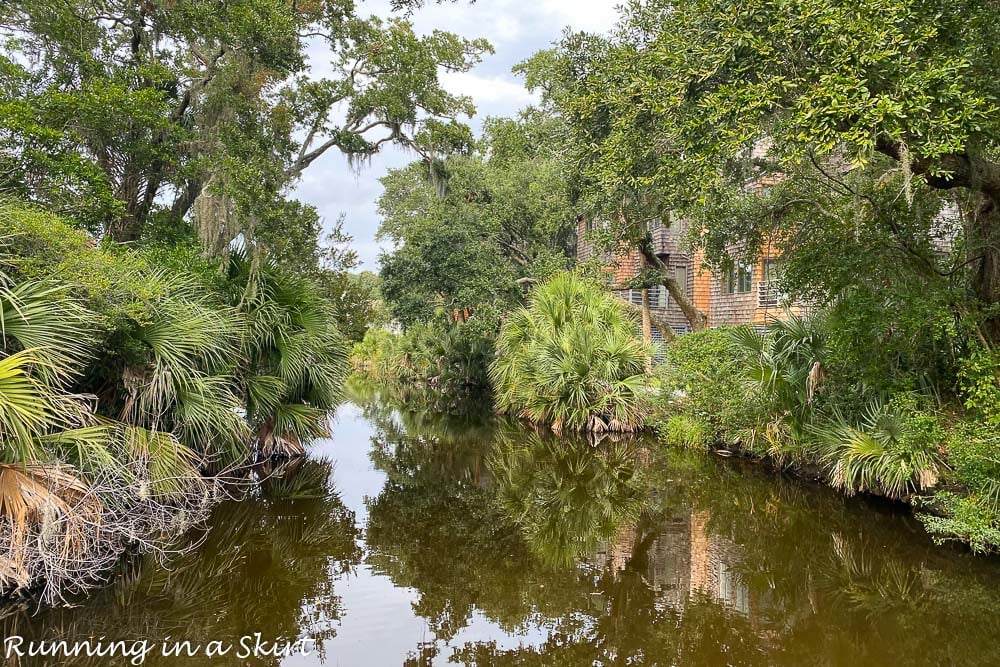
{"x": 41, "y": 347}
{"x": 875, "y": 455}
{"x": 786, "y": 365}
{"x": 784, "y": 373}
{"x": 183, "y": 381}
{"x": 295, "y": 358}
{"x": 571, "y": 359}
{"x": 54, "y": 447}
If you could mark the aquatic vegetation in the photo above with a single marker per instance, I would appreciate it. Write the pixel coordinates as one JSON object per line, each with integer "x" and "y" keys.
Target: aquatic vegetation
{"x": 571, "y": 359}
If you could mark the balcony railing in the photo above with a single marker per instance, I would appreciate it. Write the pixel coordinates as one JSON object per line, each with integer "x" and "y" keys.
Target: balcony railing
{"x": 769, "y": 294}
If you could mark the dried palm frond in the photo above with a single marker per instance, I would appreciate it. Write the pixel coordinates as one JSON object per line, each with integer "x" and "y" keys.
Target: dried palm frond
{"x": 48, "y": 508}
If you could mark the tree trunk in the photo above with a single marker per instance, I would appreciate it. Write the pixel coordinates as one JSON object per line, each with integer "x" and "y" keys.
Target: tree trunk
{"x": 660, "y": 323}
{"x": 697, "y": 319}
{"x": 984, "y": 243}
{"x": 647, "y": 325}
{"x": 124, "y": 229}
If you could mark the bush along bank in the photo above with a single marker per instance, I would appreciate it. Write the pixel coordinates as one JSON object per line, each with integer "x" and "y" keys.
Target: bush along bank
{"x": 571, "y": 360}
{"x": 914, "y": 421}
{"x": 568, "y": 360}
{"x": 131, "y": 381}
{"x": 790, "y": 396}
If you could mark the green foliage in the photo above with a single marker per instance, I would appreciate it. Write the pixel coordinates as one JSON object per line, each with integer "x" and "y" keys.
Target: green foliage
{"x": 374, "y": 355}
{"x": 698, "y": 356}
{"x": 979, "y": 384}
{"x": 122, "y": 381}
{"x": 786, "y": 364}
{"x": 292, "y": 356}
{"x": 766, "y": 393}
{"x": 963, "y": 519}
{"x": 468, "y": 227}
{"x": 685, "y": 430}
{"x": 186, "y": 351}
{"x": 699, "y": 386}
{"x": 572, "y": 360}
{"x": 452, "y": 358}
{"x": 102, "y": 124}
{"x": 894, "y": 450}
{"x": 713, "y": 78}
{"x": 974, "y": 461}
{"x": 358, "y": 297}
{"x": 969, "y": 511}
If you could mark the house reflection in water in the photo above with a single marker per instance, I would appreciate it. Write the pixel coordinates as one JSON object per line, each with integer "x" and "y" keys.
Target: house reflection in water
{"x": 685, "y": 560}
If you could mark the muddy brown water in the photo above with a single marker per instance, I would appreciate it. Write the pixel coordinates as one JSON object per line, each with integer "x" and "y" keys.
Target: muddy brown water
{"x": 419, "y": 538}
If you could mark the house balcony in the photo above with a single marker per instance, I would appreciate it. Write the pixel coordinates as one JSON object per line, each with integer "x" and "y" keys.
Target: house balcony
{"x": 667, "y": 240}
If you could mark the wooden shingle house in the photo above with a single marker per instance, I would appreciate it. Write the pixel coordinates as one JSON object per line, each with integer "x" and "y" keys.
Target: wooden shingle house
{"x": 745, "y": 295}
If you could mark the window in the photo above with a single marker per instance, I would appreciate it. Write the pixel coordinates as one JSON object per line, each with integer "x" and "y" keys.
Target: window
{"x": 681, "y": 278}
{"x": 739, "y": 281}
{"x": 773, "y": 269}
{"x": 769, "y": 292}
{"x": 657, "y": 296}
{"x": 745, "y": 283}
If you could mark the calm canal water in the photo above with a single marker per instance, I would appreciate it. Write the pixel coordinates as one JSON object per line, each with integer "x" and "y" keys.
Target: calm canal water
{"x": 428, "y": 539}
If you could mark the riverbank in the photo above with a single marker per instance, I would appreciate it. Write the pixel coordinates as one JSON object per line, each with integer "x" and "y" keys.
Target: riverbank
{"x": 710, "y": 415}
{"x": 784, "y": 396}
{"x": 133, "y": 379}
{"x": 771, "y": 397}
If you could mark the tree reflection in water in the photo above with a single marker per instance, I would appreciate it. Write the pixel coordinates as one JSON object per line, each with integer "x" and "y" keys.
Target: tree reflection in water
{"x": 267, "y": 566}
{"x": 567, "y": 494}
{"x": 617, "y": 552}
{"x": 625, "y": 557}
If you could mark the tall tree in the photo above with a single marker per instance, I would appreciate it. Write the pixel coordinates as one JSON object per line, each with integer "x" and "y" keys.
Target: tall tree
{"x": 576, "y": 80}
{"x": 469, "y": 230}
{"x": 692, "y": 87}
{"x": 126, "y": 114}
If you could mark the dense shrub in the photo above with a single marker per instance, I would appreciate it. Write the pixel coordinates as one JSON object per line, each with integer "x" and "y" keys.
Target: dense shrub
{"x": 787, "y": 394}
{"x": 699, "y": 380}
{"x": 892, "y": 450}
{"x": 979, "y": 383}
{"x": 970, "y": 511}
{"x": 571, "y": 359}
{"x": 453, "y": 357}
{"x": 122, "y": 380}
{"x": 687, "y": 430}
{"x": 966, "y": 519}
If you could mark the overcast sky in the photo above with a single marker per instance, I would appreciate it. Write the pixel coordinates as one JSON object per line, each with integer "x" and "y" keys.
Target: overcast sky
{"x": 516, "y": 29}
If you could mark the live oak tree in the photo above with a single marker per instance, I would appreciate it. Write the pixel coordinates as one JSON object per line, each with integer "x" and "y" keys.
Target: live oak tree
{"x": 471, "y": 230}
{"x": 576, "y": 79}
{"x": 130, "y": 116}
{"x": 685, "y": 90}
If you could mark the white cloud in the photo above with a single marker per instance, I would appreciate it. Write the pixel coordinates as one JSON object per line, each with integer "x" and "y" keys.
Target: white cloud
{"x": 586, "y": 15}
{"x": 490, "y": 90}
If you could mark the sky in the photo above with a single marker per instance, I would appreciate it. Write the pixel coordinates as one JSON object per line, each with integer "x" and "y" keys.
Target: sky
{"x": 516, "y": 29}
